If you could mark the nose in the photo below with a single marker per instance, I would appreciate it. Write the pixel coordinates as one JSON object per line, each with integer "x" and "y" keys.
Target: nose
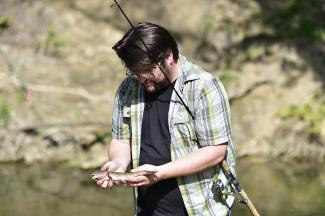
{"x": 141, "y": 78}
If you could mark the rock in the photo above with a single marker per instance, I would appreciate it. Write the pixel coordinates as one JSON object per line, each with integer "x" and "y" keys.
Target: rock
{"x": 95, "y": 158}
{"x": 68, "y": 64}
{"x": 322, "y": 131}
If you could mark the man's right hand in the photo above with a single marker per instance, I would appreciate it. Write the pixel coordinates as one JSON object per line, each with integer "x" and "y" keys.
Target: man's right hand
{"x": 110, "y": 166}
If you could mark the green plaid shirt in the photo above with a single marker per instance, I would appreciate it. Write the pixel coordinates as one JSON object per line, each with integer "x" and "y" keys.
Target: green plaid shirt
{"x": 207, "y": 100}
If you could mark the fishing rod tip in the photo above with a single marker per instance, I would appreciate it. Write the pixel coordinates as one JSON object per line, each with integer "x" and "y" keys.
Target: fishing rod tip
{"x": 114, "y": 4}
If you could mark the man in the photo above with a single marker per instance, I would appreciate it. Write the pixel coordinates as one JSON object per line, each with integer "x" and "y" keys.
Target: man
{"x": 184, "y": 140}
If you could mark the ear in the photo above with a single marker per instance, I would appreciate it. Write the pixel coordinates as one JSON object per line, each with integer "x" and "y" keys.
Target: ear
{"x": 170, "y": 58}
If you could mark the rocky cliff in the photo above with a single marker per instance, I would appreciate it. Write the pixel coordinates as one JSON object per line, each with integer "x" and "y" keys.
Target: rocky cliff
{"x": 58, "y": 73}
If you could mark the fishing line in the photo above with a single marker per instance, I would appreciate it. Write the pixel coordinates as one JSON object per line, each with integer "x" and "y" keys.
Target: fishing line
{"x": 154, "y": 59}
{"x": 230, "y": 177}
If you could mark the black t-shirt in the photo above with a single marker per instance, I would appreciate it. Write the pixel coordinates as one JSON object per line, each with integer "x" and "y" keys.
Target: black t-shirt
{"x": 164, "y": 197}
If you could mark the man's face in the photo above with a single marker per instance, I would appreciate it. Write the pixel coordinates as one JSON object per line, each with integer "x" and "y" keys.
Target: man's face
{"x": 153, "y": 80}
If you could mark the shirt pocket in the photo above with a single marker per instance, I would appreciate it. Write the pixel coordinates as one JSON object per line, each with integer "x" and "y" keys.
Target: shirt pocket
{"x": 185, "y": 131}
{"x": 126, "y": 114}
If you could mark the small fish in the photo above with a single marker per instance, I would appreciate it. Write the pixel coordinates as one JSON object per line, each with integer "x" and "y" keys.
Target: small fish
{"x": 116, "y": 176}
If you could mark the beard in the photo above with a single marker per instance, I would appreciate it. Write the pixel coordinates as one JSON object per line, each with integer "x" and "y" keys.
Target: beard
{"x": 150, "y": 86}
{"x": 154, "y": 84}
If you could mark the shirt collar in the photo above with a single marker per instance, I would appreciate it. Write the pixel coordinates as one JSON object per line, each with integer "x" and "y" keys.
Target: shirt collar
{"x": 185, "y": 72}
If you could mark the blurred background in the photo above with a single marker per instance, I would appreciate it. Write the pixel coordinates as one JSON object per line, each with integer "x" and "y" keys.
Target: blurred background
{"x": 58, "y": 76}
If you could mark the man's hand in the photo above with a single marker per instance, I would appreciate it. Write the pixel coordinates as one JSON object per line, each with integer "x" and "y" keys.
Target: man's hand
{"x": 194, "y": 162}
{"x": 143, "y": 180}
{"x": 110, "y": 166}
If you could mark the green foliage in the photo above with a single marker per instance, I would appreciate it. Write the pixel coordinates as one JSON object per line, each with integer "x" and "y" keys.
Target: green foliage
{"x": 313, "y": 113}
{"x": 37, "y": 44}
{"x": 206, "y": 29}
{"x": 4, "y": 22}
{"x": 320, "y": 33}
{"x": 52, "y": 43}
{"x": 298, "y": 19}
{"x": 53, "y": 38}
{"x": 254, "y": 52}
{"x": 104, "y": 136}
{"x": 226, "y": 75}
{"x": 4, "y": 110}
{"x": 20, "y": 95}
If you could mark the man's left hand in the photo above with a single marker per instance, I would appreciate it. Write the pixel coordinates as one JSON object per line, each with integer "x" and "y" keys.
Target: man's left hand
{"x": 145, "y": 179}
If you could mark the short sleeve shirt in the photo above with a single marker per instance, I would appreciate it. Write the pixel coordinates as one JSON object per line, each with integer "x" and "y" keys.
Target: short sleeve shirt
{"x": 207, "y": 100}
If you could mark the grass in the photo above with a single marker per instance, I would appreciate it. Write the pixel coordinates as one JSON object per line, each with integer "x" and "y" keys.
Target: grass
{"x": 20, "y": 95}
{"x": 297, "y": 19}
{"x": 4, "y": 22}
{"x": 226, "y": 75}
{"x": 51, "y": 44}
{"x": 4, "y": 110}
{"x": 312, "y": 113}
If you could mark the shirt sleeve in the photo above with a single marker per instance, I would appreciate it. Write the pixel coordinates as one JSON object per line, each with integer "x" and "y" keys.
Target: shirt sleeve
{"x": 212, "y": 117}
{"x": 120, "y": 117}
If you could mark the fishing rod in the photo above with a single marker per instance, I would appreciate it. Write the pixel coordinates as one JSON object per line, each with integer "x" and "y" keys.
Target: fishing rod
{"x": 229, "y": 175}
{"x": 236, "y": 186}
{"x": 150, "y": 56}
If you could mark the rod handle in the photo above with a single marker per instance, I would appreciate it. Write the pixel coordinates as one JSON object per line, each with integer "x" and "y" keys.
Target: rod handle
{"x": 249, "y": 203}
{"x": 240, "y": 190}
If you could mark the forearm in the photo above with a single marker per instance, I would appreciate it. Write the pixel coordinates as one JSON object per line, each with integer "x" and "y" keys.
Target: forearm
{"x": 195, "y": 162}
{"x": 120, "y": 151}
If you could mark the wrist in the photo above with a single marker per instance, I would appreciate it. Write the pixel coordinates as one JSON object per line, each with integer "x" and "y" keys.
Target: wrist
{"x": 120, "y": 166}
{"x": 162, "y": 172}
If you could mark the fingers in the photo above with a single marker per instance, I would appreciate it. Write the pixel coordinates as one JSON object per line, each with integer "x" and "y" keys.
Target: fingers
{"x": 102, "y": 179}
{"x": 124, "y": 182}
{"x": 111, "y": 166}
{"x": 110, "y": 184}
{"x": 106, "y": 166}
{"x": 137, "y": 181}
{"x": 145, "y": 167}
{"x": 106, "y": 183}
{"x": 100, "y": 182}
{"x": 139, "y": 168}
{"x": 129, "y": 181}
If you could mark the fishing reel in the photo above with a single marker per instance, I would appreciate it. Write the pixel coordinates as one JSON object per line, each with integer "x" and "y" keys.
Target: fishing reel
{"x": 220, "y": 191}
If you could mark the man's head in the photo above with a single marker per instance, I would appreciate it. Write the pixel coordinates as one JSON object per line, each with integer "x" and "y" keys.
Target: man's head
{"x": 141, "y": 59}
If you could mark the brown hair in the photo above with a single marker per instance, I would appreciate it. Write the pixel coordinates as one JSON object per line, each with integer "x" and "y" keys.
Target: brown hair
{"x": 141, "y": 58}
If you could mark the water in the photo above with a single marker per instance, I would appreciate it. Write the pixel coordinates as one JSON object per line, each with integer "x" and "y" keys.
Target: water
{"x": 279, "y": 189}
{"x": 54, "y": 190}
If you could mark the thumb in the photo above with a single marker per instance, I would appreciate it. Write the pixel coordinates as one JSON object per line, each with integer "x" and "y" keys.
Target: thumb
{"x": 145, "y": 167}
{"x": 106, "y": 166}
{"x": 137, "y": 169}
